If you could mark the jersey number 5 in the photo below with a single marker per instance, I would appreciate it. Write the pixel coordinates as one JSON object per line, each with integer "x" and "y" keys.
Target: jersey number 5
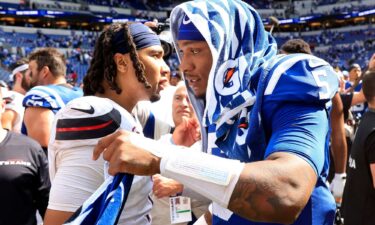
{"x": 320, "y": 77}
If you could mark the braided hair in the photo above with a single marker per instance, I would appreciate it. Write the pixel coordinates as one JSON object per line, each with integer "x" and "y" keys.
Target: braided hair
{"x": 103, "y": 66}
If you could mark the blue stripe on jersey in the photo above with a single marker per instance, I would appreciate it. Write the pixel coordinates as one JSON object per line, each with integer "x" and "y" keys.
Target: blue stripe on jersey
{"x": 149, "y": 128}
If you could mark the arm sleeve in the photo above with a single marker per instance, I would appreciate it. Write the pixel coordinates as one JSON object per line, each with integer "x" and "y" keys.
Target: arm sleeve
{"x": 44, "y": 184}
{"x": 44, "y": 97}
{"x": 370, "y": 147}
{"x": 301, "y": 130}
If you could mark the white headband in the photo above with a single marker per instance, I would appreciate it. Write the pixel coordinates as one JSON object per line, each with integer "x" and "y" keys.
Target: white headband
{"x": 17, "y": 70}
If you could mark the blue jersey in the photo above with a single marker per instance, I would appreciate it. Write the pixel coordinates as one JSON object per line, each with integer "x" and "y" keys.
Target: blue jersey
{"x": 52, "y": 97}
{"x": 257, "y": 103}
{"x": 349, "y": 85}
{"x": 293, "y": 101}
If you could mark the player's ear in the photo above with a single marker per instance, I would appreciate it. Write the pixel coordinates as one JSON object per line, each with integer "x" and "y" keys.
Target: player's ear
{"x": 17, "y": 76}
{"x": 45, "y": 71}
{"x": 121, "y": 62}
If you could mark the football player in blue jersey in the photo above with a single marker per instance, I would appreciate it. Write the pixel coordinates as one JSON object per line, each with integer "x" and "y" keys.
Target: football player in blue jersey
{"x": 48, "y": 94}
{"x": 264, "y": 117}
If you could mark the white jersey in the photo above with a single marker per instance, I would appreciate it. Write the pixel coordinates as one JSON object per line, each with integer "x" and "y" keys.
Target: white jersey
{"x": 16, "y": 106}
{"x": 74, "y": 175}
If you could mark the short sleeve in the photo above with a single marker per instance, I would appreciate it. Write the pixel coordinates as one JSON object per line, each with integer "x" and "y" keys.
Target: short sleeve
{"x": 44, "y": 97}
{"x": 301, "y": 130}
{"x": 77, "y": 177}
{"x": 301, "y": 78}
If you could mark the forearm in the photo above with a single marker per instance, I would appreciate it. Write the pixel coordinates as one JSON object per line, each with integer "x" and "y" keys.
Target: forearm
{"x": 358, "y": 98}
{"x": 339, "y": 150}
{"x": 338, "y": 138}
{"x": 339, "y": 147}
{"x": 265, "y": 192}
{"x": 275, "y": 189}
{"x": 261, "y": 191}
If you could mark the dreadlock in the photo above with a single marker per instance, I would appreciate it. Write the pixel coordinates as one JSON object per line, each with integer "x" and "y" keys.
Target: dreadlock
{"x": 137, "y": 64}
{"x": 103, "y": 66}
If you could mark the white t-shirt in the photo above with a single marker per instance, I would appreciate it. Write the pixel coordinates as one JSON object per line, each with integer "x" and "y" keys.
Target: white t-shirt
{"x": 16, "y": 106}
{"x": 74, "y": 175}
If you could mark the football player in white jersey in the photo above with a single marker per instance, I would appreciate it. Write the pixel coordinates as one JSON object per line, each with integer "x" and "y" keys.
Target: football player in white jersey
{"x": 126, "y": 68}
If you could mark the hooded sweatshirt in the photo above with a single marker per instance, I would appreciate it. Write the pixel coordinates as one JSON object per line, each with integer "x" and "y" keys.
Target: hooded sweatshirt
{"x": 258, "y": 103}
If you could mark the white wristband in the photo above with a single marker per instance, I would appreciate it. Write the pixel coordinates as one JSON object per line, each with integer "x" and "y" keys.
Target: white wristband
{"x": 208, "y": 175}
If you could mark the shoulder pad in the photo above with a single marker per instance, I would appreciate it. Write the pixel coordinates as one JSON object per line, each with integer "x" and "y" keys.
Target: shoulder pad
{"x": 91, "y": 117}
{"x": 301, "y": 77}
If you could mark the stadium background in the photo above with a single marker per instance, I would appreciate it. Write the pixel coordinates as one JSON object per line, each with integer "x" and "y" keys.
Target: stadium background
{"x": 339, "y": 31}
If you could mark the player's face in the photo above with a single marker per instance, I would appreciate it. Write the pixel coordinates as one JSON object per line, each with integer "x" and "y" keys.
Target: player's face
{"x": 155, "y": 69}
{"x": 196, "y": 62}
{"x": 165, "y": 77}
{"x": 174, "y": 80}
{"x": 35, "y": 77}
{"x": 181, "y": 106}
{"x": 355, "y": 73}
{"x": 25, "y": 81}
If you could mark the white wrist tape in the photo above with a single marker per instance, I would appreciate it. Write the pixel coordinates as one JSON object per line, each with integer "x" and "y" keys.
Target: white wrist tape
{"x": 208, "y": 175}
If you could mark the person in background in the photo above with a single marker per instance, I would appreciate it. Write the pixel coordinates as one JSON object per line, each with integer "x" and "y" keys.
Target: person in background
{"x": 354, "y": 80}
{"x": 175, "y": 78}
{"x": 295, "y": 46}
{"x": 163, "y": 187}
{"x": 13, "y": 116}
{"x": 48, "y": 94}
{"x": 359, "y": 193}
{"x": 24, "y": 180}
{"x": 354, "y": 85}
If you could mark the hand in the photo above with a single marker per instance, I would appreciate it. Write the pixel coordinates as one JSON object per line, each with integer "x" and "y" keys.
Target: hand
{"x": 337, "y": 185}
{"x": 187, "y": 133}
{"x": 165, "y": 187}
{"x": 151, "y": 24}
{"x": 125, "y": 157}
{"x": 371, "y": 63}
